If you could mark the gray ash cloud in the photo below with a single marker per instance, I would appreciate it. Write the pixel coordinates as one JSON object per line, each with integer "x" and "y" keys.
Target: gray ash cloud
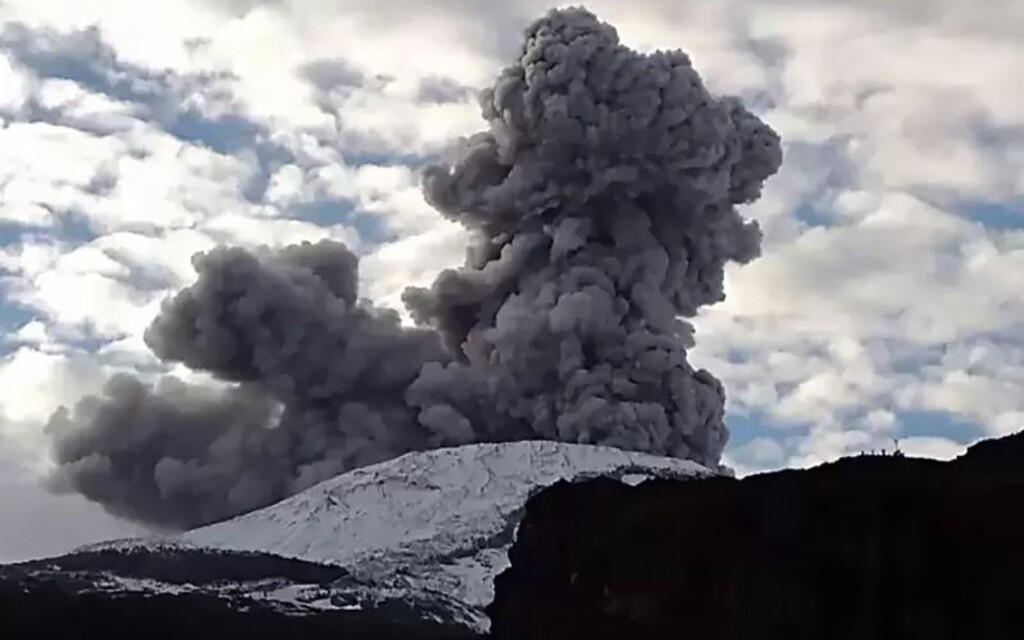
{"x": 602, "y": 200}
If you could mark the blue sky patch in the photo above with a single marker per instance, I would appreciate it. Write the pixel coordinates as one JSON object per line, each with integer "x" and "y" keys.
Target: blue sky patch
{"x": 371, "y": 228}
{"x": 938, "y": 424}
{"x": 227, "y": 135}
{"x": 994, "y": 215}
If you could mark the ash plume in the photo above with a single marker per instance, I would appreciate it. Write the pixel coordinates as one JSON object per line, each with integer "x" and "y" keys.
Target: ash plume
{"x": 602, "y": 200}
{"x": 321, "y": 381}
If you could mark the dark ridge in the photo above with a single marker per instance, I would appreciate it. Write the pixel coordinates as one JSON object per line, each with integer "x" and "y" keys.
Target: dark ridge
{"x": 79, "y": 596}
{"x": 869, "y": 547}
{"x": 47, "y": 609}
{"x": 181, "y": 566}
{"x": 1001, "y": 455}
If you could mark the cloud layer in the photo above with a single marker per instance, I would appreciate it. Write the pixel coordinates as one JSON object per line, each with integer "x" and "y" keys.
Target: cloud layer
{"x": 602, "y": 203}
{"x": 885, "y": 305}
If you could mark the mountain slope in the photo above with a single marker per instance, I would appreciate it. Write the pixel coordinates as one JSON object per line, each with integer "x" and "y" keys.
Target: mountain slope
{"x": 201, "y": 594}
{"x": 869, "y": 547}
{"x": 431, "y": 526}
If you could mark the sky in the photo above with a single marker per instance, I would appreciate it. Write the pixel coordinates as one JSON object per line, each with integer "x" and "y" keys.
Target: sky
{"x": 886, "y": 304}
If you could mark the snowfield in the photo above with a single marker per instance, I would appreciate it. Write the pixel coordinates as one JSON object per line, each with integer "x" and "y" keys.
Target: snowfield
{"x": 438, "y": 521}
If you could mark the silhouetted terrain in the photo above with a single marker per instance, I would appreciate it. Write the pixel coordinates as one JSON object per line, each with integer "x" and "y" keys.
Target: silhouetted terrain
{"x": 196, "y": 595}
{"x": 871, "y": 547}
{"x": 406, "y": 548}
{"x": 868, "y": 547}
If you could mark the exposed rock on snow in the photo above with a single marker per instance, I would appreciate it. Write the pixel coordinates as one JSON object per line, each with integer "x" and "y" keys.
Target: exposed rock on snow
{"x": 435, "y": 522}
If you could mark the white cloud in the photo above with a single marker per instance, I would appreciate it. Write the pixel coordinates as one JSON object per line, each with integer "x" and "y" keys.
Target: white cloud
{"x": 45, "y": 167}
{"x": 875, "y": 295}
{"x": 14, "y": 86}
{"x": 82, "y": 289}
{"x": 988, "y": 391}
{"x": 411, "y": 261}
{"x": 37, "y": 524}
{"x": 827, "y": 315}
{"x": 760, "y": 454}
{"x": 173, "y": 185}
{"x": 395, "y": 123}
{"x": 931, "y": 447}
{"x": 264, "y": 50}
{"x": 35, "y": 383}
{"x": 245, "y": 230}
{"x": 85, "y": 109}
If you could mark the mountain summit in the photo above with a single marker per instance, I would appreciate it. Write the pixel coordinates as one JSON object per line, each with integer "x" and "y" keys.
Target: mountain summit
{"x": 422, "y": 535}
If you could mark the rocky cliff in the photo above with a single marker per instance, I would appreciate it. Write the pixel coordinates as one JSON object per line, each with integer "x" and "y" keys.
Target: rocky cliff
{"x": 868, "y": 547}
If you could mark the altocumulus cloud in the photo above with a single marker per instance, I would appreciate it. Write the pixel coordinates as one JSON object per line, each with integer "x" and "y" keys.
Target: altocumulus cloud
{"x": 602, "y": 201}
{"x": 884, "y": 304}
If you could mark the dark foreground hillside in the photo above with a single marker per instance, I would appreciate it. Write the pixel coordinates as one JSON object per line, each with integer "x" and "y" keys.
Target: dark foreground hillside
{"x": 192, "y": 595}
{"x": 867, "y": 548}
{"x": 50, "y": 612}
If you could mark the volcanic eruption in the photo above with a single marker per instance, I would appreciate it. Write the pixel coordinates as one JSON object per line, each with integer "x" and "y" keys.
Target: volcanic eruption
{"x": 601, "y": 200}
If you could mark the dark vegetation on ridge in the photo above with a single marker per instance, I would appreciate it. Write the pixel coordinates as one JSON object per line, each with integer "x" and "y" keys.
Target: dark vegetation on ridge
{"x": 47, "y": 610}
{"x": 868, "y": 547}
{"x": 81, "y": 595}
{"x": 603, "y": 205}
{"x": 184, "y": 566}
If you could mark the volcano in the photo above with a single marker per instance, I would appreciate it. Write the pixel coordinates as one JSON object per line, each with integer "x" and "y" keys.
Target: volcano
{"x": 406, "y": 548}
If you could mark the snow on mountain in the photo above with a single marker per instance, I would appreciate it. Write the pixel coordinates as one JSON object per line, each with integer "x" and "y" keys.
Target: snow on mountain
{"x": 450, "y": 511}
{"x": 438, "y": 521}
{"x": 444, "y": 498}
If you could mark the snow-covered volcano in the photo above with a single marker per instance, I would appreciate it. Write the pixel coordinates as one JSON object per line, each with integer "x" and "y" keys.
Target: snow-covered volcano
{"x": 433, "y": 502}
{"x": 438, "y": 521}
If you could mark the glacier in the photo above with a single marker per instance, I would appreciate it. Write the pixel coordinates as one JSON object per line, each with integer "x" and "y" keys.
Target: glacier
{"x": 432, "y": 524}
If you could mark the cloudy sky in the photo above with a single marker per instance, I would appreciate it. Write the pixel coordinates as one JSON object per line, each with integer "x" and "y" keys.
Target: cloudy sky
{"x": 887, "y": 303}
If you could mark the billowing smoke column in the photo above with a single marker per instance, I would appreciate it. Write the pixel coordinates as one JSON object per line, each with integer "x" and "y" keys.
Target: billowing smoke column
{"x": 602, "y": 200}
{"x": 322, "y": 378}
